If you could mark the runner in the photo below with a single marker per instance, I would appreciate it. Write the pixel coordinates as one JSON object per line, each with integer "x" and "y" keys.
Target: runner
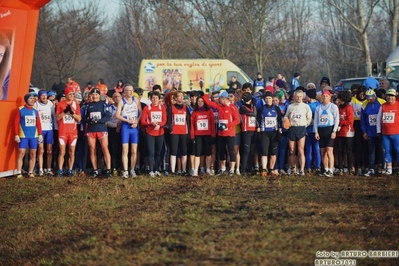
{"x": 228, "y": 119}
{"x": 202, "y": 130}
{"x": 178, "y": 117}
{"x": 154, "y": 119}
{"x": 28, "y": 132}
{"x": 325, "y": 126}
{"x": 387, "y": 120}
{"x": 47, "y": 115}
{"x": 96, "y": 116}
{"x": 67, "y": 115}
{"x": 270, "y": 129}
{"x": 297, "y": 118}
{"x": 129, "y": 112}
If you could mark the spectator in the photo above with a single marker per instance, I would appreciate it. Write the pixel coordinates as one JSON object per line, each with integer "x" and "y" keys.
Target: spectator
{"x": 295, "y": 81}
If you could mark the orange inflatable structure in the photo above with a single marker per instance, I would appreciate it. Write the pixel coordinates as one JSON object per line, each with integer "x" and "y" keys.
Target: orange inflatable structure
{"x": 18, "y": 27}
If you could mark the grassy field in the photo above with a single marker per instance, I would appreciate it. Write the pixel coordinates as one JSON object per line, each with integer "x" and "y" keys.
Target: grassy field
{"x": 194, "y": 221}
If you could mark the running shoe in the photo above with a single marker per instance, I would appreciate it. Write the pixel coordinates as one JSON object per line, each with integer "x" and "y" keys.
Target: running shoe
{"x": 283, "y": 172}
{"x": 301, "y": 173}
{"x": 264, "y": 173}
{"x": 157, "y": 173}
{"x": 132, "y": 173}
{"x": 369, "y": 172}
{"x": 152, "y": 174}
{"x": 328, "y": 173}
{"x": 41, "y": 173}
{"x": 125, "y": 174}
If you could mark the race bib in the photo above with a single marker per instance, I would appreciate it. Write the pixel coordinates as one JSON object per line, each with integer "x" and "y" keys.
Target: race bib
{"x": 180, "y": 119}
{"x": 202, "y": 124}
{"x": 373, "y": 120}
{"x": 295, "y": 116}
{"x": 388, "y": 118}
{"x": 45, "y": 118}
{"x": 252, "y": 121}
{"x": 323, "y": 120}
{"x": 270, "y": 122}
{"x": 30, "y": 121}
{"x": 156, "y": 117}
{"x": 95, "y": 116}
{"x": 68, "y": 119}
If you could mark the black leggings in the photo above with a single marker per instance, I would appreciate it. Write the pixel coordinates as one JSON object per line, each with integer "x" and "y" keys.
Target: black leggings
{"x": 202, "y": 145}
{"x": 115, "y": 148}
{"x": 176, "y": 141}
{"x": 248, "y": 140}
{"x": 222, "y": 142}
{"x": 154, "y": 145}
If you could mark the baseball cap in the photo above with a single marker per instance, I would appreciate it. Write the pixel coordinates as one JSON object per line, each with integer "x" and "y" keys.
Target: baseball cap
{"x": 370, "y": 94}
{"x": 326, "y": 92}
{"x": 223, "y": 94}
{"x": 391, "y": 92}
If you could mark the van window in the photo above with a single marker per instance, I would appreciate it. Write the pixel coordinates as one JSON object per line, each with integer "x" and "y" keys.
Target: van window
{"x": 238, "y": 75}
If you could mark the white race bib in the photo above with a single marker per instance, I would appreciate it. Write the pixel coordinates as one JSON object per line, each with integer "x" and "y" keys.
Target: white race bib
{"x": 270, "y": 122}
{"x": 45, "y": 118}
{"x": 156, "y": 117}
{"x": 202, "y": 124}
{"x": 296, "y": 116}
{"x": 388, "y": 118}
{"x": 373, "y": 120}
{"x": 323, "y": 120}
{"x": 252, "y": 121}
{"x": 30, "y": 121}
{"x": 68, "y": 119}
{"x": 180, "y": 119}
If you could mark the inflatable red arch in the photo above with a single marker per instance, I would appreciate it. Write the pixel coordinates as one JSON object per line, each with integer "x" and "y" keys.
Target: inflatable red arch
{"x": 18, "y": 24}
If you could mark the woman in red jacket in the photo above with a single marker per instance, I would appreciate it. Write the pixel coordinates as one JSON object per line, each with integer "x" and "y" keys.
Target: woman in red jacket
{"x": 346, "y": 130}
{"x": 154, "y": 119}
{"x": 228, "y": 119}
{"x": 201, "y": 131}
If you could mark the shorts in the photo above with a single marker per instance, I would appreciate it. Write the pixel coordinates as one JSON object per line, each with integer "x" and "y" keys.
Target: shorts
{"x": 28, "y": 142}
{"x": 129, "y": 134}
{"x": 296, "y": 133}
{"x": 325, "y": 137}
{"x": 47, "y": 137}
{"x": 97, "y": 135}
{"x": 213, "y": 140}
{"x": 68, "y": 138}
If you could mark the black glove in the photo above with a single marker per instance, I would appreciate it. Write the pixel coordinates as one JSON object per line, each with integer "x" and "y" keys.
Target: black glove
{"x": 94, "y": 120}
{"x": 379, "y": 136}
{"x": 222, "y": 126}
{"x": 67, "y": 109}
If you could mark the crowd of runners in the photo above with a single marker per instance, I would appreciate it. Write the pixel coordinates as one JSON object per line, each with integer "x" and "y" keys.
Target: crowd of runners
{"x": 266, "y": 127}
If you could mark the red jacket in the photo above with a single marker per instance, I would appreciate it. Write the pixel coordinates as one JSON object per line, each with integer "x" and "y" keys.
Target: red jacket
{"x": 228, "y": 114}
{"x": 202, "y": 123}
{"x": 346, "y": 119}
{"x": 152, "y": 113}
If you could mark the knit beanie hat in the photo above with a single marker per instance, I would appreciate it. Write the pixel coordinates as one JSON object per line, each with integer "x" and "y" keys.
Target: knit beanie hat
{"x": 311, "y": 93}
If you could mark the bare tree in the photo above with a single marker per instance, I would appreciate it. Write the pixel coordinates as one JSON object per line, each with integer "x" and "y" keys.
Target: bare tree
{"x": 69, "y": 41}
{"x": 359, "y": 19}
